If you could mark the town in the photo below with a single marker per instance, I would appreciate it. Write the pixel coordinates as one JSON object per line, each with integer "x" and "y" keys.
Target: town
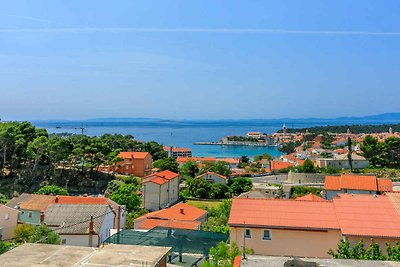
{"x": 339, "y": 193}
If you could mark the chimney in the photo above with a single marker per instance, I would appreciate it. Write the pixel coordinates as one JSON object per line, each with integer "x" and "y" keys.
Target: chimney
{"x": 56, "y": 200}
{"x": 182, "y": 211}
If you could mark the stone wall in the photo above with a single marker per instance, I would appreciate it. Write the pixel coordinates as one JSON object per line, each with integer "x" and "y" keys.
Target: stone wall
{"x": 301, "y": 178}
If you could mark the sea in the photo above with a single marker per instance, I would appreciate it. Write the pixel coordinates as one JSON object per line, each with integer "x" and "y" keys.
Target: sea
{"x": 184, "y": 133}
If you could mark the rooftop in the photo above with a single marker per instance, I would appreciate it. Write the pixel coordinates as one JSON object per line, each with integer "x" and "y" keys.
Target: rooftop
{"x": 62, "y": 256}
{"x": 357, "y": 182}
{"x": 136, "y": 155}
{"x": 310, "y": 197}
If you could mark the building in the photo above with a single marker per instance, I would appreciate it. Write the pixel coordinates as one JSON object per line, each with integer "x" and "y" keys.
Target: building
{"x": 178, "y": 152}
{"x": 198, "y": 160}
{"x": 160, "y": 190}
{"x": 214, "y": 177}
{"x": 179, "y": 216}
{"x": 135, "y": 164}
{"x": 80, "y": 224}
{"x": 232, "y": 162}
{"x": 341, "y": 161}
{"x": 45, "y": 255}
{"x": 303, "y": 228}
{"x": 356, "y": 184}
{"x": 32, "y": 208}
{"x": 8, "y": 222}
{"x": 119, "y": 219}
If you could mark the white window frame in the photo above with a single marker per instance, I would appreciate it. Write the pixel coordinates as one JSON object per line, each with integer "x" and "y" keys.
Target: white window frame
{"x": 270, "y": 235}
{"x": 244, "y": 233}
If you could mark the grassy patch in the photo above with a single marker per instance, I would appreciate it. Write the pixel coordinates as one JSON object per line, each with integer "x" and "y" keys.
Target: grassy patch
{"x": 204, "y": 204}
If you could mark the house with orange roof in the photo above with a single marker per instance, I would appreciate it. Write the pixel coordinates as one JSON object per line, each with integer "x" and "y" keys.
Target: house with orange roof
{"x": 134, "y": 163}
{"x": 356, "y": 184}
{"x": 180, "y": 216}
{"x": 214, "y": 177}
{"x": 279, "y": 165}
{"x": 160, "y": 190}
{"x": 32, "y": 210}
{"x": 232, "y": 162}
{"x": 198, "y": 160}
{"x": 310, "y": 197}
{"x": 309, "y": 228}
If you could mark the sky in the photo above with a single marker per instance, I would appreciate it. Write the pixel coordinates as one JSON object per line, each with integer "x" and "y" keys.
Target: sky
{"x": 74, "y": 60}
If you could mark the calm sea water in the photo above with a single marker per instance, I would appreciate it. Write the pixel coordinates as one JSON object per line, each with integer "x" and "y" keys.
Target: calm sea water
{"x": 178, "y": 136}
{"x": 183, "y": 134}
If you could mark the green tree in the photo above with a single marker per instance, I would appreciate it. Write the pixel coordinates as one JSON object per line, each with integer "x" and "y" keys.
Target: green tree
{"x": 374, "y": 252}
{"x": 223, "y": 255}
{"x": 220, "y": 167}
{"x": 155, "y": 149}
{"x": 349, "y": 155}
{"x": 52, "y": 190}
{"x": 241, "y": 185}
{"x": 127, "y": 195}
{"x": 189, "y": 169}
{"x": 167, "y": 164}
{"x": 371, "y": 150}
{"x": 131, "y": 216}
{"x": 35, "y": 234}
{"x": 3, "y": 199}
{"x": 287, "y": 148}
{"x": 245, "y": 159}
{"x": 307, "y": 167}
{"x": 393, "y": 252}
{"x": 217, "y": 218}
{"x": 299, "y": 191}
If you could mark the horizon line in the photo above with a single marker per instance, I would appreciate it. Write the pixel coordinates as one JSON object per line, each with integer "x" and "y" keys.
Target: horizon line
{"x": 194, "y": 30}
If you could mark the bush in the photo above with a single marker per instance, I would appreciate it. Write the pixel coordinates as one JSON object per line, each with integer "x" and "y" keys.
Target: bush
{"x": 299, "y": 191}
{"x": 52, "y": 190}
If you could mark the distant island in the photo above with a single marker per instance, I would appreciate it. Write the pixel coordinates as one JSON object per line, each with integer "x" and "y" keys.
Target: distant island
{"x": 356, "y": 129}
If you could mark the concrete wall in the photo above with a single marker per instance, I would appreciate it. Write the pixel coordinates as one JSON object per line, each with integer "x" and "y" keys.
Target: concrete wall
{"x": 333, "y": 193}
{"x": 288, "y": 242}
{"x": 341, "y": 164}
{"x": 8, "y": 222}
{"x": 306, "y": 178}
{"x": 79, "y": 240}
{"x": 173, "y": 190}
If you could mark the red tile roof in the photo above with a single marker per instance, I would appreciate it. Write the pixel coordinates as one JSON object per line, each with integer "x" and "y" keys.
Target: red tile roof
{"x": 310, "y": 197}
{"x": 367, "y": 215}
{"x": 180, "y": 215}
{"x": 38, "y": 202}
{"x": 195, "y": 159}
{"x": 385, "y": 185}
{"x": 161, "y": 177}
{"x": 177, "y": 149}
{"x": 283, "y": 213}
{"x": 357, "y": 182}
{"x": 136, "y": 155}
{"x": 278, "y": 165}
{"x": 80, "y": 200}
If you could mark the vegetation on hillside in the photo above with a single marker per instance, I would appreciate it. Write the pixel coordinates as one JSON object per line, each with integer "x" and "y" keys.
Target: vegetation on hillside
{"x": 358, "y": 128}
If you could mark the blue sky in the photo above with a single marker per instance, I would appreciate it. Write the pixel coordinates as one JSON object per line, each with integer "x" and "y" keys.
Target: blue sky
{"x": 198, "y": 59}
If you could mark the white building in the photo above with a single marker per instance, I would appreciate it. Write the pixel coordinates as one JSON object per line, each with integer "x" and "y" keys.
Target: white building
{"x": 160, "y": 190}
{"x": 214, "y": 177}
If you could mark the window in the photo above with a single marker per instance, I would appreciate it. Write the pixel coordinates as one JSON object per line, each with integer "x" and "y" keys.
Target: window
{"x": 29, "y": 214}
{"x": 266, "y": 234}
{"x": 247, "y": 233}
{"x": 6, "y": 216}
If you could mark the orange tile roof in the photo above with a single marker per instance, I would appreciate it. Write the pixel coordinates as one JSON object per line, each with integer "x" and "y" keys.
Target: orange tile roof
{"x": 367, "y": 215}
{"x": 161, "y": 177}
{"x": 310, "y": 197}
{"x": 278, "y": 165}
{"x": 189, "y": 213}
{"x": 150, "y": 223}
{"x": 136, "y": 155}
{"x": 230, "y": 160}
{"x": 332, "y": 183}
{"x": 283, "y": 213}
{"x": 385, "y": 185}
{"x": 80, "y": 200}
{"x": 38, "y": 202}
{"x": 354, "y": 182}
{"x": 177, "y": 149}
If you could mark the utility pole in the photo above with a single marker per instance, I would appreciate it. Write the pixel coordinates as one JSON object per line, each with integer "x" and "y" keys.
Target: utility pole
{"x": 119, "y": 223}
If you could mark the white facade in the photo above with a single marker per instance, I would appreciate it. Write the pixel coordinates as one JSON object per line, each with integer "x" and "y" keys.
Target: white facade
{"x": 214, "y": 178}
{"x": 159, "y": 196}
